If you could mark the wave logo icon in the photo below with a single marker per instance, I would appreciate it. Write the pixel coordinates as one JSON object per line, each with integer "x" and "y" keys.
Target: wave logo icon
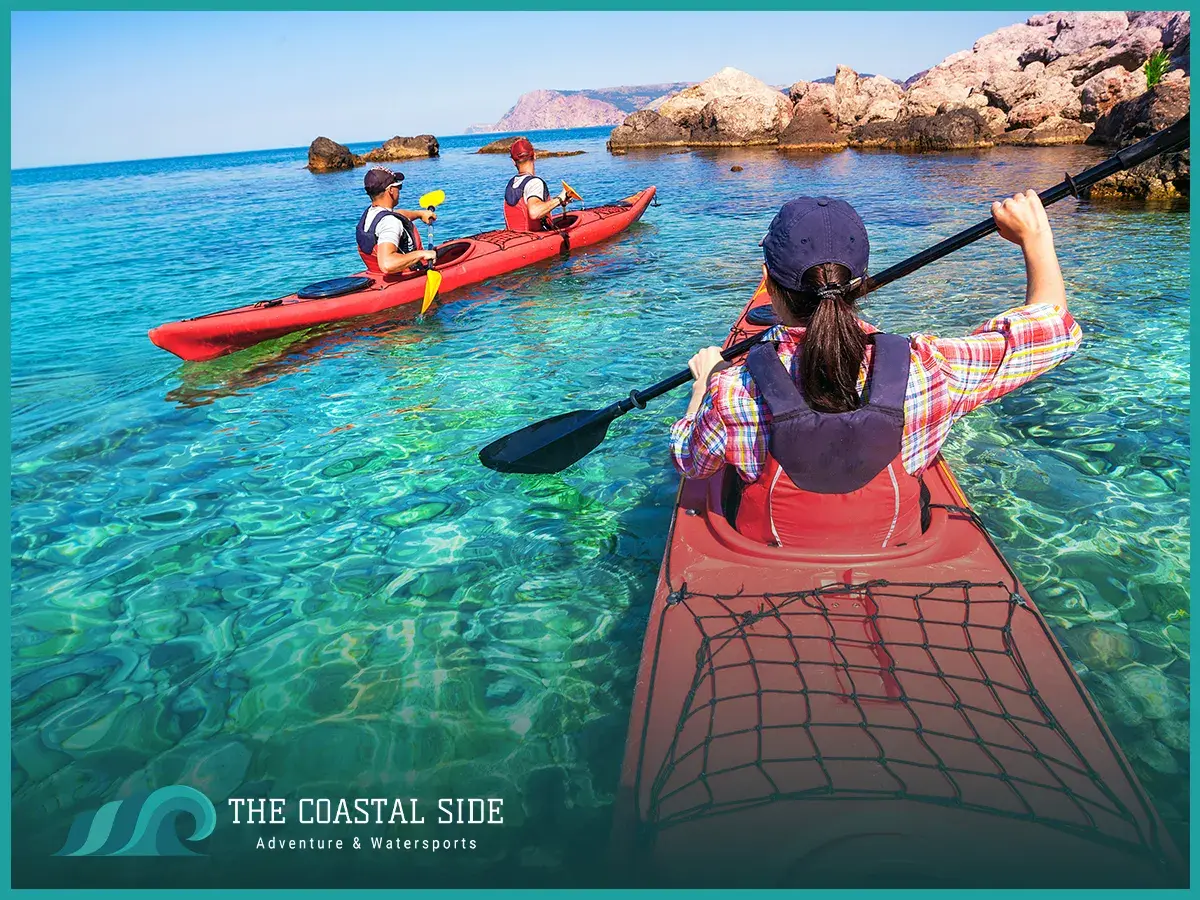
{"x": 141, "y": 825}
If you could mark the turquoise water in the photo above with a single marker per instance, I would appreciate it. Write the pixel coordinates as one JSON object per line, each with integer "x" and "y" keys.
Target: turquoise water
{"x": 284, "y": 573}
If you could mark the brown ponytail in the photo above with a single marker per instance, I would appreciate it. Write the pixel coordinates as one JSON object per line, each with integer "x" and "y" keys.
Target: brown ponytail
{"x": 834, "y": 343}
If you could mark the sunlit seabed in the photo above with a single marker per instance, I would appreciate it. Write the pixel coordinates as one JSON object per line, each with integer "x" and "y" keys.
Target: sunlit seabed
{"x": 285, "y": 572}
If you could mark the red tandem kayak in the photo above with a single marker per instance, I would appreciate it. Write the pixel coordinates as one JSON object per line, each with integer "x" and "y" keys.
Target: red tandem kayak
{"x": 899, "y": 718}
{"x": 461, "y": 262}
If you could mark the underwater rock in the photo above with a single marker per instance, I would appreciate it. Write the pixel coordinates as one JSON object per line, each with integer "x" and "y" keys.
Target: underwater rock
{"x": 1181, "y": 639}
{"x": 1102, "y": 646}
{"x": 1114, "y": 703}
{"x": 1156, "y": 755}
{"x": 1155, "y": 648}
{"x": 1169, "y": 601}
{"x": 1156, "y": 694}
{"x": 422, "y": 512}
{"x": 1175, "y": 733}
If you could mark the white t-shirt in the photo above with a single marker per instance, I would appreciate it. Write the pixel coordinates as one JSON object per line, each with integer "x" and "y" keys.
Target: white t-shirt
{"x": 535, "y": 188}
{"x": 390, "y": 230}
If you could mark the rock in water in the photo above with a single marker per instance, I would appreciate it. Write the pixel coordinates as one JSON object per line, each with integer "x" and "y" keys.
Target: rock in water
{"x": 735, "y": 168}
{"x": 1102, "y": 646}
{"x": 1114, "y": 703}
{"x": 1157, "y": 694}
{"x": 1049, "y": 133}
{"x": 420, "y": 147}
{"x": 959, "y": 129}
{"x": 811, "y": 129}
{"x": 1156, "y": 755}
{"x": 1174, "y": 733}
{"x": 1127, "y": 122}
{"x": 504, "y": 144}
{"x": 647, "y": 128}
{"x": 325, "y": 155}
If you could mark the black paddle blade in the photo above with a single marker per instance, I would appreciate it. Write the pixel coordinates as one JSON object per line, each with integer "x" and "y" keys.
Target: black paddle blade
{"x": 550, "y": 445}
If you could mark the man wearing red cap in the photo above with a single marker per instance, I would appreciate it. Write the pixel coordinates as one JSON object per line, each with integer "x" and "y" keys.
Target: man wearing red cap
{"x": 527, "y": 202}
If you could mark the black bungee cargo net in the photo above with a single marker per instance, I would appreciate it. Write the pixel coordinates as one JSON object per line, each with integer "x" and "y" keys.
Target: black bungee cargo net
{"x": 908, "y": 691}
{"x": 504, "y": 238}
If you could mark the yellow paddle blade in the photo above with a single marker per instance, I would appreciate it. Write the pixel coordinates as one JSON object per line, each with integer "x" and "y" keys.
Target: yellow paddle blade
{"x": 571, "y": 195}
{"x": 433, "y": 198}
{"x": 433, "y": 281}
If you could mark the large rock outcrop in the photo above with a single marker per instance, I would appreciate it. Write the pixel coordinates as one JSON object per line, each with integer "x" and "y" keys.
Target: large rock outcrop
{"x": 958, "y": 129}
{"x": 398, "y": 148}
{"x": 730, "y": 107}
{"x": 1164, "y": 177}
{"x": 647, "y": 128}
{"x": 325, "y": 155}
{"x": 1045, "y": 81}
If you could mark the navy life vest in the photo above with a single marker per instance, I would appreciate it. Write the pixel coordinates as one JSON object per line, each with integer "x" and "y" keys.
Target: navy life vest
{"x": 516, "y": 209}
{"x": 833, "y": 480}
{"x": 368, "y": 239}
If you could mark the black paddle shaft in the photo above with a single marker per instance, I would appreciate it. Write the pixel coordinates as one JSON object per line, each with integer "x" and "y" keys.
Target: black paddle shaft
{"x": 555, "y": 443}
{"x": 1172, "y": 138}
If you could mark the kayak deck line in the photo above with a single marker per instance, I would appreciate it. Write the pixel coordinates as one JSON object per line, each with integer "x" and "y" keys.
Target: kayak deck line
{"x": 895, "y": 718}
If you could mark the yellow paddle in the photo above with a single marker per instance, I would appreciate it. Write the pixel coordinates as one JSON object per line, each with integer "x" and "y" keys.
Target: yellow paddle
{"x": 433, "y": 280}
{"x": 432, "y": 199}
{"x": 571, "y": 195}
{"x": 429, "y": 201}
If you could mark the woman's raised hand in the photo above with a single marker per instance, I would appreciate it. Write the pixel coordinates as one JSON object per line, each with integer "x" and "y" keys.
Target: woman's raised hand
{"x": 1022, "y": 219}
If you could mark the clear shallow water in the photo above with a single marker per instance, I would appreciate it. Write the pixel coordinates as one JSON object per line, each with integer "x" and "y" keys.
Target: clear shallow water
{"x": 284, "y": 573}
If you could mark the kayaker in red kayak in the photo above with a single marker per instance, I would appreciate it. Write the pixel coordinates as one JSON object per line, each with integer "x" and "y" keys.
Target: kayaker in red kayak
{"x": 527, "y": 202}
{"x": 388, "y": 241}
{"x": 796, "y": 407}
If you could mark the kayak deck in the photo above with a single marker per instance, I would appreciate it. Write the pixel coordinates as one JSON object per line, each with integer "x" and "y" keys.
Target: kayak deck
{"x": 461, "y": 262}
{"x": 888, "y": 719}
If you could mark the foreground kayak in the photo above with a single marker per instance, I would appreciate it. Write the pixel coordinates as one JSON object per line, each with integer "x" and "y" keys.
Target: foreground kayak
{"x": 894, "y": 718}
{"x": 461, "y": 262}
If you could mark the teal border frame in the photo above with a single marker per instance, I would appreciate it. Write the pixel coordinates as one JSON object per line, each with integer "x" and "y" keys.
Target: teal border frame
{"x": 514, "y": 6}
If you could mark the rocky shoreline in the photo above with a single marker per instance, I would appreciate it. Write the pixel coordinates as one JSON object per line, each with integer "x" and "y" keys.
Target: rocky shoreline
{"x": 1059, "y": 78}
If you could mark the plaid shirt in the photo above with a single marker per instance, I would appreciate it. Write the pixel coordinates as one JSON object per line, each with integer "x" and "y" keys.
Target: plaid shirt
{"x": 947, "y": 378}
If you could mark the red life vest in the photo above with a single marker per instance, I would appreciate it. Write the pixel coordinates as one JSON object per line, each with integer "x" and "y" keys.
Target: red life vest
{"x": 885, "y": 513}
{"x": 516, "y": 207}
{"x": 368, "y": 239}
{"x": 833, "y": 481}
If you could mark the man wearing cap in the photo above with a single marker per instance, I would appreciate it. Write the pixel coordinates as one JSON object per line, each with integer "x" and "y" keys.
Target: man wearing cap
{"x": 387, "y": 240}
{"x": 830, "y": 422}
{"x": 527, "y": 200}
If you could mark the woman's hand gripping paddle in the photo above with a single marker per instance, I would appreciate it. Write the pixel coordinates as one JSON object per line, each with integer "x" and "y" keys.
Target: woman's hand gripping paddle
{"x": 558, "y": 442}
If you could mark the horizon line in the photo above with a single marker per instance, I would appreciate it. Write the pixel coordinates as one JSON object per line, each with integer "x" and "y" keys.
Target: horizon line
{"x": 140, "y": 159}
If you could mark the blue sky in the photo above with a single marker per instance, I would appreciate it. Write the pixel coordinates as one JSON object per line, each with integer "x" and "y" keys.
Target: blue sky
{"x": 93, "y": 86}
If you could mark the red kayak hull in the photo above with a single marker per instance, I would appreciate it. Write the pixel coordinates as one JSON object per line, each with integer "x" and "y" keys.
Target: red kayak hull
{"x": 889, "y": 719}
{"x": 469, "y": 261}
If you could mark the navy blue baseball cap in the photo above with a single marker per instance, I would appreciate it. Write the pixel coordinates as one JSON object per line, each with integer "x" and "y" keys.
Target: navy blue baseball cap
{"x": 380, "y": 179}
{"x": 809, "y": 231}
